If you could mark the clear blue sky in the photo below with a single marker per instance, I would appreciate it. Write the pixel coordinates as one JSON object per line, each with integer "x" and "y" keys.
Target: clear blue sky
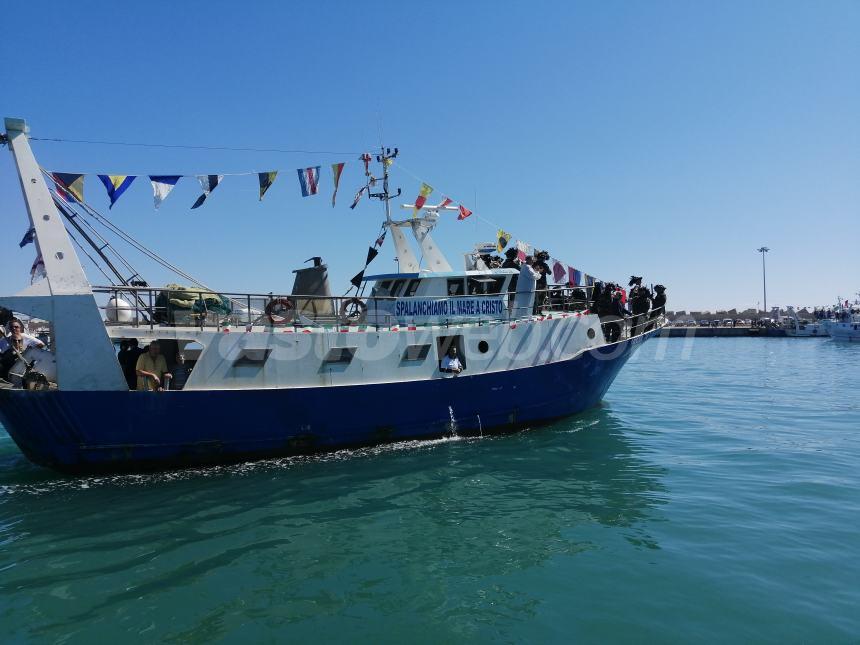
{"x": 666, "y": 139}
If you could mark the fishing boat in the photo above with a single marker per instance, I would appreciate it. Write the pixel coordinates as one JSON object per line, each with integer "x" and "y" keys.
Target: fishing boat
{"x": 298, "y": 372}
{"x": 796, "y": 328}
{"x": 845, "y": 325}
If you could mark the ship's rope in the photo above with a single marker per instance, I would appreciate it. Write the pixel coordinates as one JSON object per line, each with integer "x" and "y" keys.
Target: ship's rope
{"x": 187, "y": 147}
{"x": 92, "y": 212}
{"x": 91, "y": 259}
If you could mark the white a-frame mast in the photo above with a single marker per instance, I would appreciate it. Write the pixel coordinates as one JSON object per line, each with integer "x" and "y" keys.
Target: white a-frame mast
{"x": 86, "y": 359}
{"x": 62, "y": 266}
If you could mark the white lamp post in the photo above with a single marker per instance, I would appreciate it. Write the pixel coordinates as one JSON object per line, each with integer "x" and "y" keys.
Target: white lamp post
{"x": 763, "y": 250}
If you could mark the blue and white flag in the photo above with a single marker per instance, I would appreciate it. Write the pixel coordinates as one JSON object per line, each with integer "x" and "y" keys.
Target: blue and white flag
{"x": 208, "y": 183}
{"x": 29, "y": 236}
{"x": 309, "y": 178}
{"x": 162, "y": 185}
{"x": 116, "y": 185}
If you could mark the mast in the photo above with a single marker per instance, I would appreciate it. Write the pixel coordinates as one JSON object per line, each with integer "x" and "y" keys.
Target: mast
{"x": 86, "y": 358}
{"x": 386, "y": 158}
{"x": 65, "y": 275}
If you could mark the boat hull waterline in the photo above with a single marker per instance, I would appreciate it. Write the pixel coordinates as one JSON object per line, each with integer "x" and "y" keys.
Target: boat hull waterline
{"x": 79, "y": 431}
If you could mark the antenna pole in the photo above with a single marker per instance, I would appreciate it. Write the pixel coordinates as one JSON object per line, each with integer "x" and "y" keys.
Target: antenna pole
{"x": 386, "y": 157}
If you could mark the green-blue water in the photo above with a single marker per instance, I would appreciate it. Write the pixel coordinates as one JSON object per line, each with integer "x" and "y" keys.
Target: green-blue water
{"x": 714, "y": 497}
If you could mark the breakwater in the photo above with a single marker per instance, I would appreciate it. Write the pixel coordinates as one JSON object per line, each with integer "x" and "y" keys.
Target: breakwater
{"x": 722, "y": 332}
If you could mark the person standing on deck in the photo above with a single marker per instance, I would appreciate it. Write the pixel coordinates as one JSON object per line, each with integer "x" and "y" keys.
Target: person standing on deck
{"x": 151, "y": 369}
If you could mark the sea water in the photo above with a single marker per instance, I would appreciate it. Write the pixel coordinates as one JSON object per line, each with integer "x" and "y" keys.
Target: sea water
{"x": 713, "y": 497}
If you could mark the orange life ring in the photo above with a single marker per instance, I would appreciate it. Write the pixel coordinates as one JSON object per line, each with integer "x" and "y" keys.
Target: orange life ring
{"x": 353, "y": 302}
{"x": 278, "y": 310}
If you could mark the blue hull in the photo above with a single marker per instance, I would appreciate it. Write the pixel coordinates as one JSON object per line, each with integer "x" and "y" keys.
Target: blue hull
{"x": 113, "y": 431}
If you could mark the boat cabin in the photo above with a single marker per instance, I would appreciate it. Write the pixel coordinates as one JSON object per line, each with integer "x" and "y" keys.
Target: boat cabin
{"x": 440, "y": 298}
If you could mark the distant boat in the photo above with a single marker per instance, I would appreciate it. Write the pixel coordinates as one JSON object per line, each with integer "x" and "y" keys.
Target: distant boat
{"x": 846, "y": 325}
{"x": 796, "y": 328}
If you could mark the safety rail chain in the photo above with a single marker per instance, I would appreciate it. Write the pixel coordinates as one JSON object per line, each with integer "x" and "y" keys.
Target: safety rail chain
{"x": 272, "y": 309}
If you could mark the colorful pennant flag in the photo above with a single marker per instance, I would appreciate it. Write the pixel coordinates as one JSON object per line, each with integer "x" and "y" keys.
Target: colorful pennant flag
{"x": 502, "y": 240}
{"x": 445, "y": 202}
{"x": 589, "y": 280}
{"x": 366, "y": 159}
{"x": 464, "y": 213}
{"x": 381, "y": 239}
{"x": 70, "y": 187}
{"x": 558, "y": 271}
{"x": 29, "y": 236}
{"x": 361, "y": 191}
{"x": 208, "y": 183}
{"x": 116, "y": 185}
{"x": 423, "y": 194}
{"x": 162, "y": 185}
{"x": 577, "y": 278}
{"x": 336, "y": 171}
{"x": 371, "y": 255}
{"x": 266, "y": 180}
{"x": 309, "y": 178}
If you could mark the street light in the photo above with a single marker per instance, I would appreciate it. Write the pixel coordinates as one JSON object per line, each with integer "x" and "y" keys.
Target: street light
{"x": 763, "y": 250}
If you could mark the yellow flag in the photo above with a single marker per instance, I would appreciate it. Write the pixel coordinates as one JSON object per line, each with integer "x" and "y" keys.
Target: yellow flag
{"x": 503, "y": 239}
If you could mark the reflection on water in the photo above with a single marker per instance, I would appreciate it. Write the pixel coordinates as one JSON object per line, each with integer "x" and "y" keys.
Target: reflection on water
{"x": 402, "y": 526}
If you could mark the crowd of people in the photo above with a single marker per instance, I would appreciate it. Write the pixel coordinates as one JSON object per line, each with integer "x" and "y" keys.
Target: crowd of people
{"x": 842, "y": 314}
{"x": 609, "y": 300}
{"x": 611, "y": 303}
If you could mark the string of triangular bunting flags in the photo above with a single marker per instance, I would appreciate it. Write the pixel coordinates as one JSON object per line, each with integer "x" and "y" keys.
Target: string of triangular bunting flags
{"x": 71, "y": 188}
{"x": 71, "y": 185}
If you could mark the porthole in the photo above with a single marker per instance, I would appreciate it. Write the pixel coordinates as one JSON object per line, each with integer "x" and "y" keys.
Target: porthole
{"x": 483, "y": 347}
{"x": 590, "y": 332}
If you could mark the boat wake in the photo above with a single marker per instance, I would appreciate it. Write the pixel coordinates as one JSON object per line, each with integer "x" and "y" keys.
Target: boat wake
{"x": 55, "y": 484}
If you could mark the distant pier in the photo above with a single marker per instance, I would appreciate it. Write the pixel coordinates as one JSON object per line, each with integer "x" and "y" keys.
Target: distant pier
{"x": 721, "y": 332}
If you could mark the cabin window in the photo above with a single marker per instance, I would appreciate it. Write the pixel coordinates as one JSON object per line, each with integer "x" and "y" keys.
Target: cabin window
{"x": 381, "y": 289}
{"x": 395, "y": 288}
{"x": 456, "y": 287}
{"x": 340, "y": 355}
{"x": 485, "y": 286}
{"x": 411, "y": 288}
{"x": 254, "y": 357}
{"x": 250, "y": 363}
{"x": 444, "y": 343}
{"x": 416, "y": 352}
{"x": 496, "y": 286}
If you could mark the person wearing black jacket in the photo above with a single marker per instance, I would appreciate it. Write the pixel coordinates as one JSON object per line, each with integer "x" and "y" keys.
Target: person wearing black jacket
{"x": 542, "y": 268}
{"x": 658, "y": 304}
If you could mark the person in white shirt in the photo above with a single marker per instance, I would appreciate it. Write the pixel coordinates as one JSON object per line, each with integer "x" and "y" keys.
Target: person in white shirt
{"x": 525, "y": 295}
{"x": 13, "y": 346}
{"x": 450, "y": 363}
{"x": 17, "y": 339}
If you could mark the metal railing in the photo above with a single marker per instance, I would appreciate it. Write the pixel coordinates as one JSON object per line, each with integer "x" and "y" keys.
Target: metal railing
{"x": 188, "y": 307}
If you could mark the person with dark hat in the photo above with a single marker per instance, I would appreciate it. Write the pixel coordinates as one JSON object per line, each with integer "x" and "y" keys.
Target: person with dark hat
{"x": 542, "y": 268}
{"x": 511, "y": 261}
{"x": 658, "y": 304}
{"x": 640, "y": 303}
